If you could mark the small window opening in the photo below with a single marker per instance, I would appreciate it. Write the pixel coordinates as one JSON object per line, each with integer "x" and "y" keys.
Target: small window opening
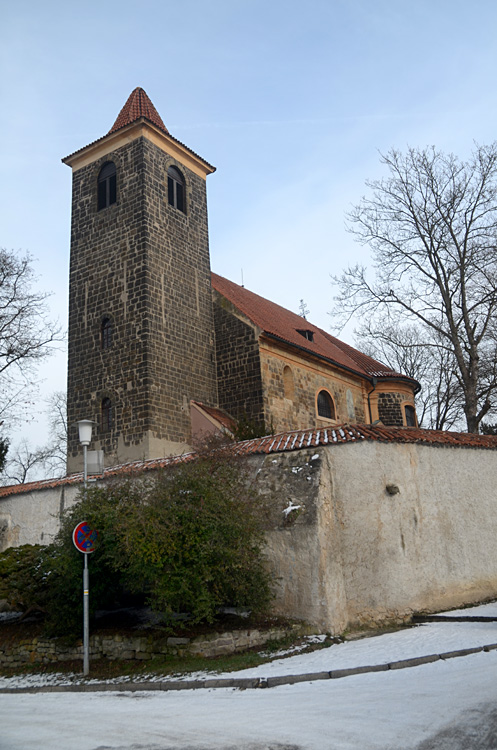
{"x": 107, "y": 192}
{"x": 106, "y": 333}
{"x": 326, "y": 407}
{"x": 288, "y": 382}
{"x": 410, "y": 416}
{"x": 106, "y": 414}
{"x": 306, "y": 333}
{"x": 176, "y": 189}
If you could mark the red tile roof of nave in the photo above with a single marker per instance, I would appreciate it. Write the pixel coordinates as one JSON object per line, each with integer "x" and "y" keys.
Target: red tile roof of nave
{"x": 138, "y": 105}
{"x": 285, "y": 325}
{"x": 283, "y": 443}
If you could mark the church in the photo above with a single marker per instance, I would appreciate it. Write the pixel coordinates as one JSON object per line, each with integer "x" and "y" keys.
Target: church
{"x": 163, "y": 352}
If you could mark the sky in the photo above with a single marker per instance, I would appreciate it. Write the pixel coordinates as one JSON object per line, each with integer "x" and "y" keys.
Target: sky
{"x": 292, "y": 102}
{"x": 448, "y": 704}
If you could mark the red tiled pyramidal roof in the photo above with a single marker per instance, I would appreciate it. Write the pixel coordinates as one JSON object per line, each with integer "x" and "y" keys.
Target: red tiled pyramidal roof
{"x": 138, "y": 105}
{"x": 285, "y": 325}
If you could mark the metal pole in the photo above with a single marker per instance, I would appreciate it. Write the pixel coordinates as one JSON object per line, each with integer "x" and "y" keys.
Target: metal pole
{"x": 86, "y": 619}
{"x": 85, "y": 466}
{"x": 86, "y": 589}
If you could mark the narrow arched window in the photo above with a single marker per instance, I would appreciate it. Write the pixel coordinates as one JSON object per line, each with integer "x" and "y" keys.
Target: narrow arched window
{"x": 326, "y": 407}
{"x": 106, "y": 334}
{"x": 176, "y": 189}
{"x": 288, "y": 383}
{"x": 107, "y": 192}
{"x": 410, "y": 416}
{"x": 106, "y": 414}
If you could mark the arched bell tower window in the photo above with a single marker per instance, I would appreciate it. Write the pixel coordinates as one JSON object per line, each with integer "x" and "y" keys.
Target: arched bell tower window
{"x": 176, "y": 189}
{"x": 107, "y": 192}
{"x": 106, "y": 415}
{"x": 106, "y": 333}
{"x": 326, "y": 407}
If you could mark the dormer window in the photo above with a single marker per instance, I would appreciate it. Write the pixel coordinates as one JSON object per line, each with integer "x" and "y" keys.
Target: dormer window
{"x": 176, "y": 189}
{"x": 107, "y": 186}
{"x": 306, "y": 333}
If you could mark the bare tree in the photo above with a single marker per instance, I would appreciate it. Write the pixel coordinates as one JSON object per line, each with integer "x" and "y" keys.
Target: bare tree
{"x": 26, "y": 332}
{"x": 25, "y": 463}
{"x": 22, "y": 461}
{"x": 404, "y": 349}
{"x": 57, "y": 444}
{"x": 432, "y": 227}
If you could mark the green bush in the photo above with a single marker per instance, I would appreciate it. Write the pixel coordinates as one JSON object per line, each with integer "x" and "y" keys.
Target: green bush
{"x": 188, "y": 539}
{"x": 24, "y": 576}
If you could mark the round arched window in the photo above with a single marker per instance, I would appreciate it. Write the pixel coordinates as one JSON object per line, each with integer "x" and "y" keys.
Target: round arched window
{"x": 106, "y": 333}
{"x": 106, "y": 414}
{"x": 176, "y": 189}
{"x": 410, "y": 416}
{"x": 326, "y": 407}
{"x": 107, "y": 185}
{"x": 288, "y": 384}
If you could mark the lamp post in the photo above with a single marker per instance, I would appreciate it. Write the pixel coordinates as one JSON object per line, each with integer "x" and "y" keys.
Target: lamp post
{"x": 85, "y": 429}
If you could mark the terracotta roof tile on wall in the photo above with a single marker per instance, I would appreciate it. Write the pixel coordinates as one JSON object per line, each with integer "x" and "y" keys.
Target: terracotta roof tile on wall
{"x": 138, "y": 105}
{"x": 285, "y": 325}
{"x": 284, "y": 442}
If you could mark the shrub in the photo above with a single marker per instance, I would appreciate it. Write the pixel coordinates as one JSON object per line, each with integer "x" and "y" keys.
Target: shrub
{"x": 189, "y": 539}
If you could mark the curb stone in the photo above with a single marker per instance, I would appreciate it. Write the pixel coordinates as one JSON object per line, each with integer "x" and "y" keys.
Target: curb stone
{"x": 243, "y": 683}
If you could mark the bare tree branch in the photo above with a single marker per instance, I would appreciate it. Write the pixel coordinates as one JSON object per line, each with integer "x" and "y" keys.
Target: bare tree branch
{"x": 432, "y": 228}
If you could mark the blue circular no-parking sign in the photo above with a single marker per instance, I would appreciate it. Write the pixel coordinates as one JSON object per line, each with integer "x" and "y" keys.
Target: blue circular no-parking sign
{"x": 84, "y": 538}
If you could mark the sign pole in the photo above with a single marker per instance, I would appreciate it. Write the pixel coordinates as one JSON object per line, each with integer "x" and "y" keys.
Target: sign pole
{"x": 84, "y": 539}
{"x": 86, "y": 619}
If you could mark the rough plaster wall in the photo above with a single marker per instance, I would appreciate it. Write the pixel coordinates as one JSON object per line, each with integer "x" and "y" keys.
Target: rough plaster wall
{"x": 33, "y": 517}
{"x": 429, "y": 546}
{"x": 292, "y": 544}
{"x": 353, "y": 552}
{"x": 304, "y": 546}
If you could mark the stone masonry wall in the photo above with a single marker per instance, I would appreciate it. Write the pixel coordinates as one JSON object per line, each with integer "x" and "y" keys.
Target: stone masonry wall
{"x": 238, "y": 363}
{"x": 145, "y": 265}
{"x": 390, "y": 409}
{"x": 294, "y": 407}
{"x": 140, "y": 647}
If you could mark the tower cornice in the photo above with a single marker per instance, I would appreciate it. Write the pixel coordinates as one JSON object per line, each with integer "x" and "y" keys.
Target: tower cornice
{"x": 140, "y": 127}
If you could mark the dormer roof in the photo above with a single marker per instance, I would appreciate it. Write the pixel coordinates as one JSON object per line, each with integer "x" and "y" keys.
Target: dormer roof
{"x": 283, "y": 325}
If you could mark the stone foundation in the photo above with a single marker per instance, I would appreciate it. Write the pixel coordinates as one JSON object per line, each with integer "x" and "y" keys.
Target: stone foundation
{"x": 143, "y": 647}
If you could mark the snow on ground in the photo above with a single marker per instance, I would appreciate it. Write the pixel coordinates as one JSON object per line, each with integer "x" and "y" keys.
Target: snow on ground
{"x": 421, "y": 640}
{"x": 393, "y": 710}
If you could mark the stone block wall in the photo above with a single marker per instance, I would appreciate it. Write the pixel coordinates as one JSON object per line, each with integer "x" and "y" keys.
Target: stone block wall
{"x": 291, "y": 387}
{"x": 390, "y": 408}
{"x": 142, "y": 647}
{"x": 238, "y": 363}
{"x": 144, "y": 265}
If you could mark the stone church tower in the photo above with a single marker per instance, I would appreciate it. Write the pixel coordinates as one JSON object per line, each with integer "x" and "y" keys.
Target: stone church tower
{"x": 141, "y": 334}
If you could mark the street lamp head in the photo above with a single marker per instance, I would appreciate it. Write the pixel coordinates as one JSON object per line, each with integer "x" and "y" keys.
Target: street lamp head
{"x": 85, "y": 429}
